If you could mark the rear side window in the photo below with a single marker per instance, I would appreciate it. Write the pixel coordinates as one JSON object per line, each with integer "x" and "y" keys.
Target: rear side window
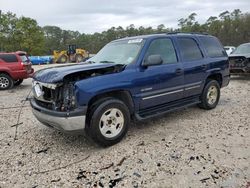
{"x": 163, "y": 47}
{"x": 24, "y": 58}
{"x": 189, "y": 49}
{"x": 9, "y": 58}
{"x": 212, "y": 46}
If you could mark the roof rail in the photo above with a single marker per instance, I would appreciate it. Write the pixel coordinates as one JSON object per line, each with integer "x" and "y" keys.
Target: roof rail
{"x": 179, "y": 32}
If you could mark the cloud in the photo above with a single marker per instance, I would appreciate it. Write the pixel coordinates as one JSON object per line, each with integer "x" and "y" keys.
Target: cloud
{"x": 98, "y": 15}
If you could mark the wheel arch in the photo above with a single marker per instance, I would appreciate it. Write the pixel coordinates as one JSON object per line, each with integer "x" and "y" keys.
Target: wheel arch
{"x": 215, "y": 76}
{"x": 6, "y": 72}
{"x": 122, "y": 95}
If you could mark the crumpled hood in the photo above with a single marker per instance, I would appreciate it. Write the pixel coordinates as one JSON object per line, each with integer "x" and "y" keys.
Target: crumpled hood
{"x": 56, "y": 74}
{"x": 240, "y": 55}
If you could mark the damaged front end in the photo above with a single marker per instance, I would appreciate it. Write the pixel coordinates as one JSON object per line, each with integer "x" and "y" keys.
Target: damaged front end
{"x": 55, "y": 103}
{"x": 239, "y": 64}
{"x": 58, "y": 97}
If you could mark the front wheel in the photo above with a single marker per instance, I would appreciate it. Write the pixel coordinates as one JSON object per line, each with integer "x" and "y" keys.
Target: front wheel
{"x": 210, "y": 95}
{"x": 109, "y": 122}
{"x": 79, "y": 58}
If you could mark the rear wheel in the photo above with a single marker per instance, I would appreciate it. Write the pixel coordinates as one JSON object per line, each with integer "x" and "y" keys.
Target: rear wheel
{"x": 210, "y": 95}
{"x": 63, "y": 59}
{"x": 109, "y": 122}
{"x": 6, "y": 82}
{"x": 18, "y": 82}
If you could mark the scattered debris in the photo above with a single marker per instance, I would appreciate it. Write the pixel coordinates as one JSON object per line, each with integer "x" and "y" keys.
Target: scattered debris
{"x": 13, "y": 107}
{"x": 107, "y": 167}
{"x": 19, "y": 114}
{"x": 62, "y": 167}
{"x": 81, "y": 175}
{"x": 43, "y": 150}
{"x": 55, "y": 180}
{"x": 137, "y": 174}
{"x": 142, "y": 143}
{"x": 204, "y": 180}
{"x": 16, "y": 124}
{"x": 114, "y": 182}
{"x": 121, "y": 161}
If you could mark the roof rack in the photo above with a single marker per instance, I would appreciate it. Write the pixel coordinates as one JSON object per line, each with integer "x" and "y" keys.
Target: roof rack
{"x": 178, "y": 32}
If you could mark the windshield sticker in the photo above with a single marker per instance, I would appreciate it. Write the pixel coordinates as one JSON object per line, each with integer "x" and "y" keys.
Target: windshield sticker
{"x": 135, "y": 41}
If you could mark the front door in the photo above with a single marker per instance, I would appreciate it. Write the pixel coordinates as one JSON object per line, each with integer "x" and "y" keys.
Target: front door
{"x": 161, "y": 83}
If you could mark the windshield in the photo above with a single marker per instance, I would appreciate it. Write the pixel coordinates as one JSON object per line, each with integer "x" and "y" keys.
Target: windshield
{"x": 242, "y": 49}
{"x": 120, "y": 52}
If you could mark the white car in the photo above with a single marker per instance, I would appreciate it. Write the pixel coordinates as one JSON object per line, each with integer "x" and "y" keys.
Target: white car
{"x": 229, "y": 49}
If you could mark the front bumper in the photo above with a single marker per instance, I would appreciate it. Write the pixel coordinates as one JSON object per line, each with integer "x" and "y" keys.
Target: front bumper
{"x": 73, "y": 121}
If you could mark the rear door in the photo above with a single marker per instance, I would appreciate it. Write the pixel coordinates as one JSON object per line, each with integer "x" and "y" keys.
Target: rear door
{"x": 10, "y": 61}
{"x": 194, "y": 65}
{"x": 162, "y": 83}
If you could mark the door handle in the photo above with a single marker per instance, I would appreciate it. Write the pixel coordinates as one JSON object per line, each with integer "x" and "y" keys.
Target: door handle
{"x": 178, "y": 71}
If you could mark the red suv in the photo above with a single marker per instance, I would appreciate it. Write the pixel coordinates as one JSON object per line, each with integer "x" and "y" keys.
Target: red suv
{"x": 14, "y": 67}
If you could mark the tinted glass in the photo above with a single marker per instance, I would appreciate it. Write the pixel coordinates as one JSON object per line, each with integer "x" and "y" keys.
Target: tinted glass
{"x": 9, "y": 58}
{"x": 189, "y": 49}
{"x": 164, "y": 48}
{"x": 24, "y": 58}
{"x": 212, "y": 46}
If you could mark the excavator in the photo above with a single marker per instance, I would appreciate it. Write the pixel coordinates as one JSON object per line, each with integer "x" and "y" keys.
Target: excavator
{"x": 73, "y": 54}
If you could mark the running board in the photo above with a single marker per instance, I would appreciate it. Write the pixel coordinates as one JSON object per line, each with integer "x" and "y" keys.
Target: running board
{"x": 165, "y": 108}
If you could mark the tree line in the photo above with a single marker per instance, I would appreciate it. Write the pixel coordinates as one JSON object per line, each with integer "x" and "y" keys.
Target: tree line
{"x": 23, "y": 33}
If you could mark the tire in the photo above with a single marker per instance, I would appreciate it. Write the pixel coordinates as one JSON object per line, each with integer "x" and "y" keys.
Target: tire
{"x": 18, "y": 82}
{"x": 108, "y": 122}
{"x": 79, "y": 58}
{"x": 210, "y": 95}
{"x": 63, "y": 59}
{"x": 6, "y": 82}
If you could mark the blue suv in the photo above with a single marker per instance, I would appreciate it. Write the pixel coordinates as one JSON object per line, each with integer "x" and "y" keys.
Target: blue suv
{"x": 132, "y": 78}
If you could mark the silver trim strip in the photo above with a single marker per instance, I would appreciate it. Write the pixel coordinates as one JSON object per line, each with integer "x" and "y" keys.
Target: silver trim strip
{"x": 193, "y": 84}
{"x": 193, "y": 87}
{"x": 163, "y": 94}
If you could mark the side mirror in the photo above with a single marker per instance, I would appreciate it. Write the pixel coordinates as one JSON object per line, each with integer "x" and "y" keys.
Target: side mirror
{"x": 152, "y": 60}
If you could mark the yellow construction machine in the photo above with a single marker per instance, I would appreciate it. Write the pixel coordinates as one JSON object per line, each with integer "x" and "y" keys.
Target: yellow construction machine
{"x": 73, "y": 54}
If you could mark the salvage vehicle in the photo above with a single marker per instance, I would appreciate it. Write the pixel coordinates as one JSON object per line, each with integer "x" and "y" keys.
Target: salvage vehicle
{"x": 14, "y": 67}
{"x": 131, "y": 79}
{"x": 240, "y": 59}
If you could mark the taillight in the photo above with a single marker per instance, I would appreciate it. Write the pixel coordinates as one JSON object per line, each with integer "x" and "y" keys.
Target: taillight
{"x": 25, "y": 66}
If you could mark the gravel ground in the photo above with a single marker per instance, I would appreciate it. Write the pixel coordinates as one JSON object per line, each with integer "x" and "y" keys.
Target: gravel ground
{"x": 188, "y": 148}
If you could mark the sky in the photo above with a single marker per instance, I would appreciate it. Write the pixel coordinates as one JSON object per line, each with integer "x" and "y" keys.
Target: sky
{"x": 98, "y": 15}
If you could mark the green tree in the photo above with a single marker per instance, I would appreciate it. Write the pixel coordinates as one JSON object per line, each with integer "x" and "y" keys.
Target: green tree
{"x": 20, "y": 34}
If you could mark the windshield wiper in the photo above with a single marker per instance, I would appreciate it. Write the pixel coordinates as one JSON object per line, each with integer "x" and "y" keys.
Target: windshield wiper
{"x": 90, "y": 62}
{"x": 107, "y": 61}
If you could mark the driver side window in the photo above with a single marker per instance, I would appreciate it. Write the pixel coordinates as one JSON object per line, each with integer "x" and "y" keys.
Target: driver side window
{"x": 163, "y": 47}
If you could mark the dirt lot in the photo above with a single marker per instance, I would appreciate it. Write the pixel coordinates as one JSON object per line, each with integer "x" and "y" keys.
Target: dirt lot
{"x": 188, "y": 148}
